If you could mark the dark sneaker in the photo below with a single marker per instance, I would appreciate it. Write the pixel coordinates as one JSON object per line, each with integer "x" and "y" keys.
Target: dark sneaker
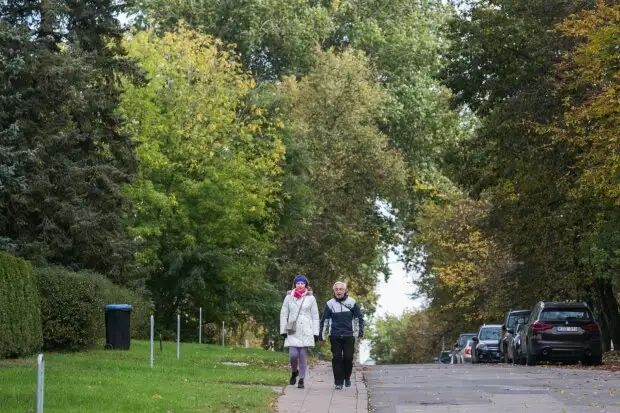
{"x": 338, "y": 386}
{"x": 301, "y": 383}
{"x": 347, "y": 383}
{"x": 293, "y": 379}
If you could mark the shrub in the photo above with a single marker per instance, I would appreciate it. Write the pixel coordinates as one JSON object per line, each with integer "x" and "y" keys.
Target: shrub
{"x": 20, "y": 311}
{"x": 142, "y": 306}
{"x": 71, "y": 308}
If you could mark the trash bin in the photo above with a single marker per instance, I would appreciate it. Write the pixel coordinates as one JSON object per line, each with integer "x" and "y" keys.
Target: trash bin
{"x": 117, "y": 326}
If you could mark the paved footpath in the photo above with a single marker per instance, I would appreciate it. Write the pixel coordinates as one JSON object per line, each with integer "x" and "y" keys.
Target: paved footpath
{"x": 319, "y": 396}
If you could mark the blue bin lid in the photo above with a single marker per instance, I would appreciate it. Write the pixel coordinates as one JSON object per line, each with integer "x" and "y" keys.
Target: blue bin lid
{"x": 120, "y": 307}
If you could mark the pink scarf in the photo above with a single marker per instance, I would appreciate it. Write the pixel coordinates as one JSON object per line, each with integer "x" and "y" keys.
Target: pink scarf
{"x": 299, "y": 293}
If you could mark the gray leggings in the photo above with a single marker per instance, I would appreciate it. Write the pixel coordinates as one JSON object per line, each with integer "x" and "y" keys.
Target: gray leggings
{"x": 298, "y": 355}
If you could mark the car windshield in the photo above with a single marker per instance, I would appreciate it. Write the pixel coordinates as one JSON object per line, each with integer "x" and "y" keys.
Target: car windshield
{"x": 565, "y": 314}
{"x": 445, "y": 355}
{"x": 464, "y": 339}
{"x": 513, "y": 320}
{"x": 491, "y": 333}
{"x": 470, "y": 343}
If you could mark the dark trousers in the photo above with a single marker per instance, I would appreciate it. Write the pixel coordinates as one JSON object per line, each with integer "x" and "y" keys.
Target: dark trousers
{"x": 342, "y": 357}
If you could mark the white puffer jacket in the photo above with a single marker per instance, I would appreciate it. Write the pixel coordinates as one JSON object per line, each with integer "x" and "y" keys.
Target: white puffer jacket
{"x": 307, "y": 323}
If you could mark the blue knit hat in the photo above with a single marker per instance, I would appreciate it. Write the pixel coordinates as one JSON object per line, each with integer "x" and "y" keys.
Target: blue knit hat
{"x": 300, "y": 279}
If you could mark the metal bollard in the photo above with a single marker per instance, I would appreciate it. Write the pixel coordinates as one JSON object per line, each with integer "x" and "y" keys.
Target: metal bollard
{"x": 40, "y": 382}
{"x": 200, "y": 326}
{"x": 152, "y": 334}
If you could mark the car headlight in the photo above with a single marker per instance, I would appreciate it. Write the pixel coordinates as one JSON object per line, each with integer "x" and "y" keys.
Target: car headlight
{"x": 482, "y": 346}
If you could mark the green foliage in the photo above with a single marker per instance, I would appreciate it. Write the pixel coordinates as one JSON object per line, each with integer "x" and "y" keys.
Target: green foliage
{"x": 273, "y": 37}
{"x": 412, "y": 337}
{"x": 333, "y": 113}
{"x": 20, "y": 308}
{"x": 66, "y": 160}
{"x": 207, "y": 194}
{"x": 111, "y": 293}
{"x": 72, "y": 307}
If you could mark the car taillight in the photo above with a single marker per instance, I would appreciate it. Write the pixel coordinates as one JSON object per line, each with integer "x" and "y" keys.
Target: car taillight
{"x": 591, "y": 327}
{"x": 539, "y": 326}
{"x": 468, "y": 350}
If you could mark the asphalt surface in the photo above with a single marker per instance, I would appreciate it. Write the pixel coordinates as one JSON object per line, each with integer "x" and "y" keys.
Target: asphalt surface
{"x": 467, "y": 388}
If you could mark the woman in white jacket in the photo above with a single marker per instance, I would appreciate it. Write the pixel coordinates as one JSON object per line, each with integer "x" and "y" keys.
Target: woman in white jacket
{"x": 299, "y": 308}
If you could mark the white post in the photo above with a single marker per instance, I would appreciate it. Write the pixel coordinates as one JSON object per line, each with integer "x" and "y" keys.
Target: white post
{"x": 200, "y": 327}
{"x": 247, "y": 343}
{"x": 178, "y": 336}
{"x": 223, "y": 334}
{"x": 152, "y": 337}
{"x": 40, "y": 382}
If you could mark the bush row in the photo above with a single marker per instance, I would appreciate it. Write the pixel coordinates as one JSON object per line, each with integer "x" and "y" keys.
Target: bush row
{"x": 54, "y": 308}
{"x": 72, "y": 307}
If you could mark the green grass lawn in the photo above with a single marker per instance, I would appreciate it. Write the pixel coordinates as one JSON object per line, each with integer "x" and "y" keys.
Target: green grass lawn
{"x": 121, "y": 381}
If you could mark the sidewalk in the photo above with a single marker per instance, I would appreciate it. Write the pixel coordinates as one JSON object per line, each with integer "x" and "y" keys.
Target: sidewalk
{"x": 319, "y": 396}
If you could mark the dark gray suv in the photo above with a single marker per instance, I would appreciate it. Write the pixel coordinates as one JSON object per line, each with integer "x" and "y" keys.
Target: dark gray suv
{"x": 559, "y": 331}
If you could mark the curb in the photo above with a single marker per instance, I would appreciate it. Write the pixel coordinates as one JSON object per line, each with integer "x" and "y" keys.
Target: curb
{"x": 362, "y": 391}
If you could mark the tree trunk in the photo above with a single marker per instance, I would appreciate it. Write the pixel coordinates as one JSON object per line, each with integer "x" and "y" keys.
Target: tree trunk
{"x": 610, "y": 315}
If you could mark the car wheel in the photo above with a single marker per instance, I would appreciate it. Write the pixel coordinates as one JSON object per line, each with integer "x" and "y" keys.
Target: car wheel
{"x": 530, "y": 358}
{"x": 593, "y": 361}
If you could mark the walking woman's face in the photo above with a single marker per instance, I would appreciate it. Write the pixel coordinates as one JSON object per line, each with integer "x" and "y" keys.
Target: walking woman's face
{"x": 339, "y": 291}
{"x": 300, "y": 286}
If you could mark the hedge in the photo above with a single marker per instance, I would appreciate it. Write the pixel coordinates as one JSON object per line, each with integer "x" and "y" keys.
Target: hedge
{"x": 20, "y": 311}
{"x": 72, "y": 307}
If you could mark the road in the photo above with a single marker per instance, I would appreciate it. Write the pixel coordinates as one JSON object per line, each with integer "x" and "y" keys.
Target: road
{"x": 466, "y": 388}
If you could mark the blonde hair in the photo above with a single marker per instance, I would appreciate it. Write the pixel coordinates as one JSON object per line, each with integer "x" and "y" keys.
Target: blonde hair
{"x": 339, "y": 283}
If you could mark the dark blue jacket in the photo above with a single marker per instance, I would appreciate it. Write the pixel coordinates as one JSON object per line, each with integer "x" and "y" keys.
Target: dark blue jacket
{"x": 340, "y": 319}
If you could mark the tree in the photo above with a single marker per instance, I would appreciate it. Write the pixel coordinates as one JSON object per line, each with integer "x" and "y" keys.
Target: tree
{"x": 332, "y": 113}
{"x": 588, "y": 79}
{"x": 273, "y": 38}
{"x": 208, "y": 189}
{"x": 68, "y": 159}
{"x": 503, "y": 65}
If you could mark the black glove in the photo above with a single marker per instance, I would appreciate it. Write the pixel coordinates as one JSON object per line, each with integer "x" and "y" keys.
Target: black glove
{"x": 316, "y": 338}
{"x": 284, "y": 336}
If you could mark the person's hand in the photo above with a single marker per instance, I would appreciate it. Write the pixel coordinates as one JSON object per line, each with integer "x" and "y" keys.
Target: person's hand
{"x": 360, "y": 336}
{"x": 284, "y": 335}
{"x": 316, "y": 339}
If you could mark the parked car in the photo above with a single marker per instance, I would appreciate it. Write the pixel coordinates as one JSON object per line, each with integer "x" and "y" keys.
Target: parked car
{"x": 461, "y": 342}
{"x": 487, "y": 344}
{"x": 513, "y": 318}
{"x": 464, "y": 353}
{"x": 561, "y": 332}
{"x": 445, "y": 357}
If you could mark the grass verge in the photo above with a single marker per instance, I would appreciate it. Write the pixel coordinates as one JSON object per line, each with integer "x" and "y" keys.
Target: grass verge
{"x": 121, "y": 381}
